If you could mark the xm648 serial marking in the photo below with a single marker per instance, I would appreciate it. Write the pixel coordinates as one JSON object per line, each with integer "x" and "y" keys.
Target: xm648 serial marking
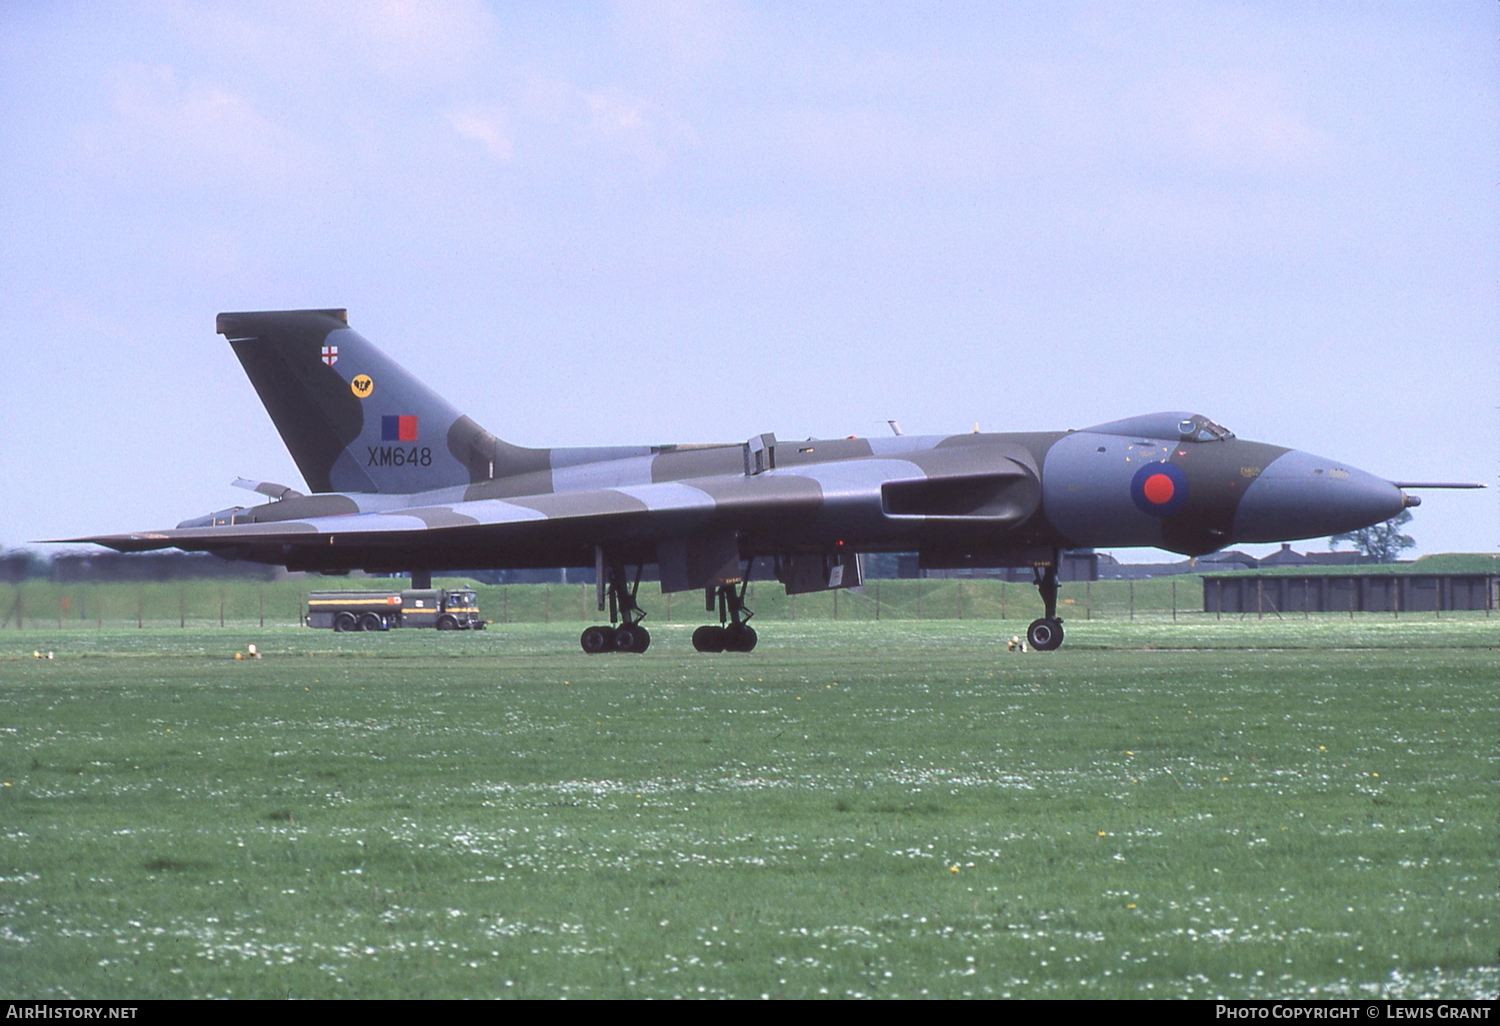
{"x": 395, "y": 456}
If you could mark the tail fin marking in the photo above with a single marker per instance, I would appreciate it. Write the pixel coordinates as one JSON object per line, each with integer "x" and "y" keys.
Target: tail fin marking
{"x": 353, "y": 419}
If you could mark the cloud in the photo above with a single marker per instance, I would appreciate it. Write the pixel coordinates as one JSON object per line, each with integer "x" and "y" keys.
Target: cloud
{"x": 426, "y": 39}
{"x": 487, "y": 126}
{"x": 184, "y": 131}
{"x": 680, "y": 36}
{"x": 542, "y": 119}
{"x": 1236, "y": 120}
{"x": 632, "y": 125}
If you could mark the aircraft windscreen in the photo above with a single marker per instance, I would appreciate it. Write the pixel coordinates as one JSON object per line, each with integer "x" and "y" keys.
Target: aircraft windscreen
{"x": 1186, "y": 427}
{"x": 1201, "y": 429}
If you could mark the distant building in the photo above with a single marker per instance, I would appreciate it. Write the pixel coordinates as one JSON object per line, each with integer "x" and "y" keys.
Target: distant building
{"x": 1321, "y": 591}
{"x": 1228, "y": 559}
{"x": 1223, "y": 562}
{"x": 1286, "y": 557}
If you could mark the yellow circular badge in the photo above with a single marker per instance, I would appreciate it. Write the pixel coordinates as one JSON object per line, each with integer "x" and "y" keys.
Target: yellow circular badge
{"x": 362, "y": 386}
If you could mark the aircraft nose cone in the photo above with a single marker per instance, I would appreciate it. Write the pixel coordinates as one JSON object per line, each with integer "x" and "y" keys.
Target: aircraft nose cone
{"x": 1300, "y": 495}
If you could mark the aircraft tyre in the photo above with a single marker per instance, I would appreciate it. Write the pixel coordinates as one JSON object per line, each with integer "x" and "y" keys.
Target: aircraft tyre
{"x": 447, "y": 623}
{"x": 1045, "y": 634}
{"x": 345, "y": 622}
{"x": 709, "y": 638}
{"x": 598, "y": 639}
{"x": 632, "y": 638}
{"x": 369, "y": 622}
{"x": 739, "y": 637}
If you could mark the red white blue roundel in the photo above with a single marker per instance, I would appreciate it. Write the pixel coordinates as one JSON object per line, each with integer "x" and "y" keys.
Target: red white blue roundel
{"x": 1159, "y": 488}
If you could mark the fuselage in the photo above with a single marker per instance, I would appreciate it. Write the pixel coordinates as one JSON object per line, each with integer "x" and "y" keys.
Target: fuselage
{"x": 1172, "y": 481}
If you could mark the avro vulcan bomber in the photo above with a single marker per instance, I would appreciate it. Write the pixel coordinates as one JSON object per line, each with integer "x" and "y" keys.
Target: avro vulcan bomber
{"x": 400, "y": 481}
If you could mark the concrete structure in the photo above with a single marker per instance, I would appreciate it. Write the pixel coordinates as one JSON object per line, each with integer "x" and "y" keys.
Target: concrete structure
{"x": 1352, "y": 592}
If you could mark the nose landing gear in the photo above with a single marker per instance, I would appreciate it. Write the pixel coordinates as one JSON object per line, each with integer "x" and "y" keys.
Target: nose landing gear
{"x": 1046, "y": 634}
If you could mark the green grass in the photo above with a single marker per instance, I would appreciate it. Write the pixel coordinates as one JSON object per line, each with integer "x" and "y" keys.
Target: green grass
{"x": 1240, "y": 808}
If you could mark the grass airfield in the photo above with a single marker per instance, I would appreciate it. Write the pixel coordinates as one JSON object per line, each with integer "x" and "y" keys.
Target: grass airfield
{"x": 1199, "y": 808}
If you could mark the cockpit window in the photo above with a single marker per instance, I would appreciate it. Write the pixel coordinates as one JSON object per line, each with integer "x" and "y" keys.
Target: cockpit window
{"x": 1185, "y": 427}
{"x": 1201, "y": 429}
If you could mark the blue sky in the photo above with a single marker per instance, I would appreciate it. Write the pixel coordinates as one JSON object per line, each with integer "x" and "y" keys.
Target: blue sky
{"x": 691, "y": 222}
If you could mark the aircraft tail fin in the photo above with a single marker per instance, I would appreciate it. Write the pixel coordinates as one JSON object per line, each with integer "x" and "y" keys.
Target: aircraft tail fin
{"x": 353, "y": 419}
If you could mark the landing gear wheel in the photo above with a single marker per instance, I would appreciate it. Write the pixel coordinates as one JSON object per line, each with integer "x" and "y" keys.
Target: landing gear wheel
{"x": 709, "y": 638}
{"x": 1045, "y": 634}
{"x": 447, "y": 623}
{"x": 739, "y": 637}
{"x": 598, "y": 639}
{"x": 632, "y": 638}
{"x": 370, "y": 622}
{"x": 345, "y": 622}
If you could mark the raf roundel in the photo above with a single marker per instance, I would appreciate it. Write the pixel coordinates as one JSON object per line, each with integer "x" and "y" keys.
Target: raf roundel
{"x": 1159, "y": 489}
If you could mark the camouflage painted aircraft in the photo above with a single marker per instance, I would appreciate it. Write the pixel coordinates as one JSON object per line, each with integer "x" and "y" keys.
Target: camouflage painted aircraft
{"x": 402, "y": 482}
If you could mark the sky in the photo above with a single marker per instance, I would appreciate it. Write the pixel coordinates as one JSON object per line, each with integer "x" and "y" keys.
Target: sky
{"x": 676, "y": 222}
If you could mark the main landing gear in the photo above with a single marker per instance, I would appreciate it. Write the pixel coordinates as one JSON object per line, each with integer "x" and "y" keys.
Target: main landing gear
{"x": 1046, "y": 634}
{"x": 629, "y": 636}
{"x": 734, "y": 633}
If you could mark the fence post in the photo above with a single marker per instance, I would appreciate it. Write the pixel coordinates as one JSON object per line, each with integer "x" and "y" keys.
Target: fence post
{"x": 1132, "y": 600}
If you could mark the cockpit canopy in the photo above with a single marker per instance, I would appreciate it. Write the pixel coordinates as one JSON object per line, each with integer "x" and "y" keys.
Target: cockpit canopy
{"x": 1185, "y": 427}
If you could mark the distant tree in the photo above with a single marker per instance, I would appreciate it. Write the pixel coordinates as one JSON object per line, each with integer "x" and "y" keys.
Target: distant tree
{"x": 16, "y": 565}
{"x": 1381, "y": 543}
